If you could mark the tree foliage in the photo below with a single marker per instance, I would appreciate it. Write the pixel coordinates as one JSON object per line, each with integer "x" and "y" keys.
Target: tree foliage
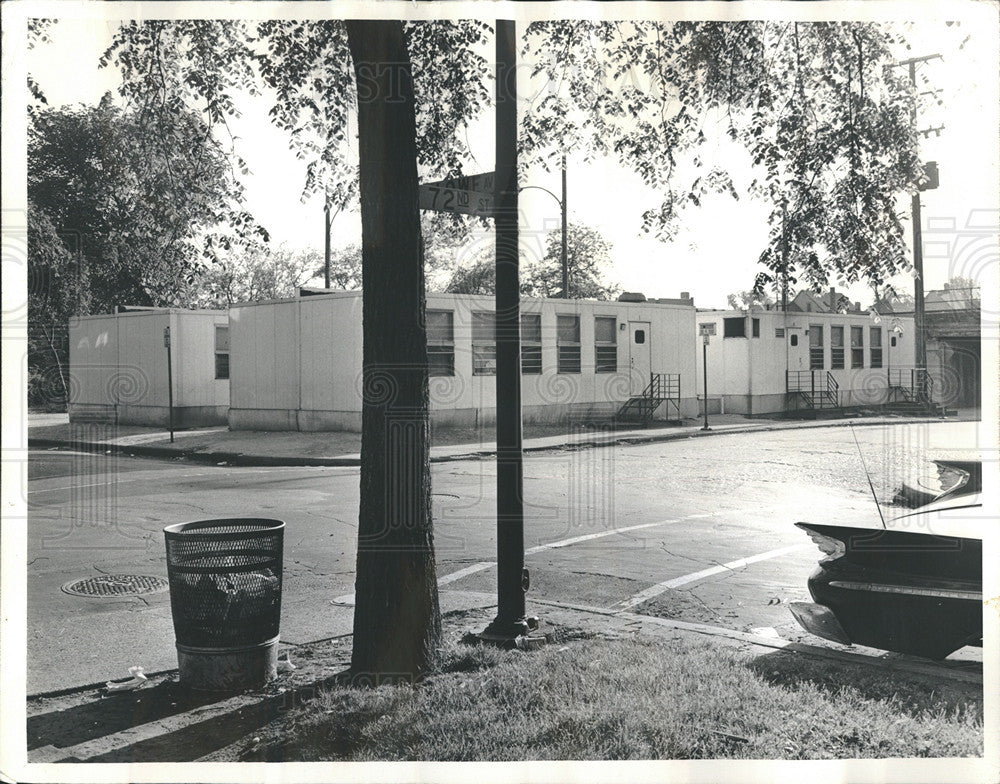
{"x": 121, "y": 212}
{"x": 56, "y": 292}
{"x": 749, "y": 300}
{"x": 138, "y": 205}
{"x": 823, "y": 115}
{"x": 259, "y": 273}
{"x": 967, "y": 286}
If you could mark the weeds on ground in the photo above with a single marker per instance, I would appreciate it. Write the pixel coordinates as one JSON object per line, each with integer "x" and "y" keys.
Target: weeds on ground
{"x": 625, "y": 699}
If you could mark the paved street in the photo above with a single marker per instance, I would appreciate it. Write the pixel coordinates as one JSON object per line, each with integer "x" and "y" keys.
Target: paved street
{"x": 697, "y": 529}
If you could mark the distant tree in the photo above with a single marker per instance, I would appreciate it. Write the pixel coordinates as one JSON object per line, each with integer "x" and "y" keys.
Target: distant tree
{"x": 967, "y": 287}
{"x": 345, "y": 268}
{"x": 588, "y": 256}
{"x": 258, "y": 273}
{"x": 479, "y": 277}
{"x": 749, "y": 300}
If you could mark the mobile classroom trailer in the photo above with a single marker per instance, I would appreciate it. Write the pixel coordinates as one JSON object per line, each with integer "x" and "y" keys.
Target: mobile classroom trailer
{"x": 770, "y": 361}
{"x": 296, "y": 363}
{"x": 119, "y": 367}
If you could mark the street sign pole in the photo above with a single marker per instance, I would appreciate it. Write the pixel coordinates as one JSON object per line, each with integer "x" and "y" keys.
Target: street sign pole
{"x": 512, "y": 580}
{"x": 170, "y": 383}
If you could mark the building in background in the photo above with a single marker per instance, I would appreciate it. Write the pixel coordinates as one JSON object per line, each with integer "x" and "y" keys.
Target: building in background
{"x": 954, "y": 350}
{"x": 119, "y": 373}
{"x": 296, "y": 363}
{"x": 769, "y": 361}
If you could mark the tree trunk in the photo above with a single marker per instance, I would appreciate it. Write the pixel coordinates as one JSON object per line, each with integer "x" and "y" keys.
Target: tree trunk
{"x": 397, "y": 621}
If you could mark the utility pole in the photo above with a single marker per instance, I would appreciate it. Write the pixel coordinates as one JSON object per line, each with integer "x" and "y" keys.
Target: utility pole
{"x": 326, "y": 243}
{"x": 565, "y": 263}
{"x": 920, "y": 338}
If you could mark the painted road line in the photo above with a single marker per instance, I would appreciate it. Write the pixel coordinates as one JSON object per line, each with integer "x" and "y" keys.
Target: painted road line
{"x": 656, "y": 590}
{"x": 602, "y": 534}
{"x": 348, "y": 598}
{"x": 479, "y": 567}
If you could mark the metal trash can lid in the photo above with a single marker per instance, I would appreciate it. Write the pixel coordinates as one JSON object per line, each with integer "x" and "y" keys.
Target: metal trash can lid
{"x": 224, "y": 526}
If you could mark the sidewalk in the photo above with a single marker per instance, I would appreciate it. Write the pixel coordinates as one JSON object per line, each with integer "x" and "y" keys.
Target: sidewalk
{"x": 341, "y": 448}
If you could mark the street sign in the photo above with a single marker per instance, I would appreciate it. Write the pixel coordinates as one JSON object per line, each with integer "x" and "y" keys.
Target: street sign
{"x": 707, "y": 328}
{"x": 166, "y": 337}
{"x": 705, "y": 338}
{"x": 471, "y": 195}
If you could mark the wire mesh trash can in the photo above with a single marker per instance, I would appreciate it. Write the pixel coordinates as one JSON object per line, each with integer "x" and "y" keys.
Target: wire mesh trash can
{"x": 225, "y": 598}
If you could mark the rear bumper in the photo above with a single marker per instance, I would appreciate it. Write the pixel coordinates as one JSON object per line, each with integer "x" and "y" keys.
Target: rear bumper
{"x": 926, "y": 621}
{"x": 819, "y": 620}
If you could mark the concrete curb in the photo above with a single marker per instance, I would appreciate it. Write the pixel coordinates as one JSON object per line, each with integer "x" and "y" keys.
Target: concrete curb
{"x": 232, "y": 458}
{"x": 473, "y": 453}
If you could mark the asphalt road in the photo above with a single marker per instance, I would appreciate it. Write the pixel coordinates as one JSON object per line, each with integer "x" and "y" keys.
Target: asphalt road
{"x": 699, "y": 530}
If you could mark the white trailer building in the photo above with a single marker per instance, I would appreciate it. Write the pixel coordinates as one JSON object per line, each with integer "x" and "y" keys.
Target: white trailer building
{"x": 118, "y": 367}
{"x": 769, "y": 361}
{"x": 296, "y": 363}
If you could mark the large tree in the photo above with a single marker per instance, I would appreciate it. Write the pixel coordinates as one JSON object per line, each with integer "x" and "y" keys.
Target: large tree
{"x": 137, "y": 199}
{"x": 122, "y": 211}
{"x": 322, "y": 73}
{"x": 822, "y": 118}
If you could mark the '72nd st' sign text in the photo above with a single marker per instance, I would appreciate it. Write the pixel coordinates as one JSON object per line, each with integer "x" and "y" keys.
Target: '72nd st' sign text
{"x": 472, "y": 195}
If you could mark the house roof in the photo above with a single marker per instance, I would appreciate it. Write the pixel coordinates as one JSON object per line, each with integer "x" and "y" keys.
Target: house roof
{"x": 807, "y": 302}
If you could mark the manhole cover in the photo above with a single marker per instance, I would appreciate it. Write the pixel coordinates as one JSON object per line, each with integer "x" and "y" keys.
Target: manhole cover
{"x": 116, "y": 585}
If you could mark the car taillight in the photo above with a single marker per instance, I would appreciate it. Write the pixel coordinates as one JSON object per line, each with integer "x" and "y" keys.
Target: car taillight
{"x": 830, "y": 547}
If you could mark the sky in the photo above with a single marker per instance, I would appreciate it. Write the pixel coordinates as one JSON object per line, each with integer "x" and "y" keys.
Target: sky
{"x": 716, "y": 252}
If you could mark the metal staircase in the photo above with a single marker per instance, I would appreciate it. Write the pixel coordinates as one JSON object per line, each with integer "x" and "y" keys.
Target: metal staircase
{"x": 909, "y": 392}
{"x": 812, "y": 390}
{"x": 662, "y": 388}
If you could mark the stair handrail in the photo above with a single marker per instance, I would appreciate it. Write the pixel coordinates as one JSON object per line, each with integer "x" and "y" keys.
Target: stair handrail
{"x": 833, "y": 396}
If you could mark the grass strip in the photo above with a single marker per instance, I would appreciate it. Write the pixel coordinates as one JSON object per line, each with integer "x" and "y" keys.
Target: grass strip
{"x": 598, "y": 699}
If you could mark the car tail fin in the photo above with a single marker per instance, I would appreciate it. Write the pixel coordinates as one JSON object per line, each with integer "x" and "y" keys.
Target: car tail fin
{"x": 831, "y": 546}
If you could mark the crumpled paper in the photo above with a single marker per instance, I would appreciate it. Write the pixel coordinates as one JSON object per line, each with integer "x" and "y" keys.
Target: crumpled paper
{"x": 138, "y": 680}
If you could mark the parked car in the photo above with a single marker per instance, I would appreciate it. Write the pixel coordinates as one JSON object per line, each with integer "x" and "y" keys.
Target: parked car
{"x": 914, "y": 586}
